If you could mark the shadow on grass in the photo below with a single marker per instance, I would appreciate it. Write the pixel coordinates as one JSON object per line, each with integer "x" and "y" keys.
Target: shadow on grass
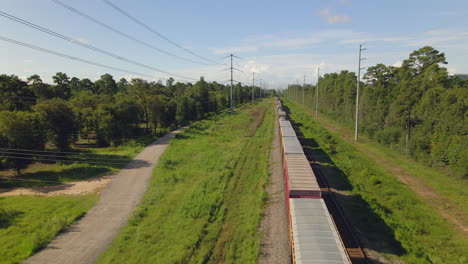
{"x": 7, "y": 217}
{"x": 377, "y": 234}
{"x": 75, "y": 172}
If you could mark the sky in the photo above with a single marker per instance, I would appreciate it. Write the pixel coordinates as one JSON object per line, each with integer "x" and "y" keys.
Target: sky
{"x": 283, "y": 42}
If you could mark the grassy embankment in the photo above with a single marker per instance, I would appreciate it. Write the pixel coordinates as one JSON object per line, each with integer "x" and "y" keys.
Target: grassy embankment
{"x": 455, "y": 189}
{"x": 392, "y": 217}
{"x": 108, "y": 160}
{"x": 206, "y": 196}
{"x": 29, "y": 223}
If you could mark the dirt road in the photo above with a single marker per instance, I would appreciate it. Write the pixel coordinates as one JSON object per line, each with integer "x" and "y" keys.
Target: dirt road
{"x": 274, "y": 226}
{"x": 85, "y": 240}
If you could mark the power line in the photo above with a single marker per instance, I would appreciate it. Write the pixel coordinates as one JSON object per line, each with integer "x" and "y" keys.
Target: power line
{"x": 61, "y": 157}
{"x": 122, "y": 33}
{"x": 58, "y": 35}
{"x": 47, "y": 151}
{"x": 71, "y": 57}
{"x": 156, "y": 32}
{"x": 46, "y": 159}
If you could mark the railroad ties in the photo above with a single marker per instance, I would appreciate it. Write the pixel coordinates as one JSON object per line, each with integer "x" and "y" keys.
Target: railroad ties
{"x": 317, "y": 232}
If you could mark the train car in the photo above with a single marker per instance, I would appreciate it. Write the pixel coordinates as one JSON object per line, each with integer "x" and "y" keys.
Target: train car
{"x": 300, "y": 178}
{"x": 282, "y": 114}
{"x": 313, "y": 233}
{"x": 283, "y": 122}
{"x": 288, "y": 131}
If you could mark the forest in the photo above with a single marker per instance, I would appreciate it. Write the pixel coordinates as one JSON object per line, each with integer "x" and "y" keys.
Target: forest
{"x": 37, "y": 116}
{"x": 417, "y": 108}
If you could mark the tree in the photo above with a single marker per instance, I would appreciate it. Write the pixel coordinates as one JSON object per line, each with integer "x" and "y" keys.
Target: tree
{"x": 15, "y": 93}
{"x": 122, "y": 85}
{"x": 61, "y": 89}
{"x": 106, "y": 85}
{"x": 86, "y": 85}
{"x": 20, "y": 130}
{"x": 58, "y": 121}
{"x": 141, "y": 91}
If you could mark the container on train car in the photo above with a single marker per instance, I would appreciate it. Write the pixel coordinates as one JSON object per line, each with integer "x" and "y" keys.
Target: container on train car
{"x": 314, "y": 235}
{"x": 288, "y": 131}
{"x": 291, "y": 145}
{"x": 284, "y": 123}
{"x": 300, "y": 178}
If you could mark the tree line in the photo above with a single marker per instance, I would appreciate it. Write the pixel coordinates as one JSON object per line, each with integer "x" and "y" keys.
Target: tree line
{"x": 417, "y": 107}
{"x": 35, "y": 114}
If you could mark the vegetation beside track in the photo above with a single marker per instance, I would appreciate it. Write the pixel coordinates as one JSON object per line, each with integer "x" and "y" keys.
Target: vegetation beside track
{"x": 391, "y": 216}
{"x": 206, "y": 196}
{"x": 28, "y": 223}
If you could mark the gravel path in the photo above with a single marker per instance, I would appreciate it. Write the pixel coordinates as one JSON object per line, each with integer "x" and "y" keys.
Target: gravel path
{"x": 274, "y": 226}
{"x": 85, "y": 240}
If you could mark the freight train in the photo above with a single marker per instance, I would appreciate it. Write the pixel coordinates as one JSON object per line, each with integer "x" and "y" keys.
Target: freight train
{"x": 312, "y": 232}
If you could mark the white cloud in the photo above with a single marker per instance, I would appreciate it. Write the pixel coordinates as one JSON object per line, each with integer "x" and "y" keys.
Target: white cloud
{"x": 397, "y": 64}
{"x": 333, "y": 18}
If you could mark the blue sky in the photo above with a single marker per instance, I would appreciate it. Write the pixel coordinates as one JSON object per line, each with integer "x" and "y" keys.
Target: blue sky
{"x": 280, "y": 40}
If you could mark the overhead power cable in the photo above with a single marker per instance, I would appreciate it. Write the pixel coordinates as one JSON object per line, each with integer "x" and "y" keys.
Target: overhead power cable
{"x": 71, "y": 57}
{"x": 47, "y": 151}
{"x": 123, "y": 33}
{"x": 60, "y": 156}
{"x": 156, "y": 32}
{"x": 58, "y": 35}
{"x": 46, "y": 159}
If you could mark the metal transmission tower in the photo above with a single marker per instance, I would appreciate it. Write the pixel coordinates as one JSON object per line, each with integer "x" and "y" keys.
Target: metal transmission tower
{"x": 232, "y": 79}
{"x": 303, "y": 90}
{"x": 357, "y": 93}
{"x": 253, "y": 87}
{"x": 317, "y": 92}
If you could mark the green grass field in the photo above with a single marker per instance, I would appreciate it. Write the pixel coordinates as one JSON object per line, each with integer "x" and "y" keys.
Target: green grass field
{"x": 206, "y": 196}
{"x": 389, "y": 214}
{"x": 41, "y": 174}
{"x": 28, "y": 223}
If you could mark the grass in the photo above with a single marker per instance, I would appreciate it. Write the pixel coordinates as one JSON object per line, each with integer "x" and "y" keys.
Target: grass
{"x": 28, "y": 223}
{"x": 389, "y": 212}
{"x": 43, "y": 174}
{"x": 206, "y": 196}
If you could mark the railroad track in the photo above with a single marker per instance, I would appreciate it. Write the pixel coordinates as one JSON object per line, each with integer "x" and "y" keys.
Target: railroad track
{"x": 350, "y": 241}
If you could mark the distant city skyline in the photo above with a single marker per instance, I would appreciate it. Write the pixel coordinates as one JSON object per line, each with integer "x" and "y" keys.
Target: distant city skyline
{"x": 280, "y": 41}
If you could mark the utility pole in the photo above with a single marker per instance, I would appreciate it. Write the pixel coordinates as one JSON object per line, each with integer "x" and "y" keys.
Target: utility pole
{"x": 232, "y": 80}
{"x": 357, "y": 93}
{"x": 303, "y": 90}
{"x": 253, "y": 87}
{"x": 317, "y": 93}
